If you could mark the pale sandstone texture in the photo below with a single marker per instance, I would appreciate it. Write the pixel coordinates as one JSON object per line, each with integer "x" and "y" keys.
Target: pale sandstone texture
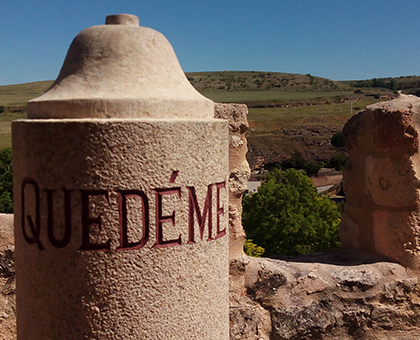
{"x": 120, "y": 70}
{"x": 381, "y": 181}
{"x": 121, "y": 197}
{"x": 329, "y": 296}
{"x": 236, "y": 115}
{"x": 325, "y": 296}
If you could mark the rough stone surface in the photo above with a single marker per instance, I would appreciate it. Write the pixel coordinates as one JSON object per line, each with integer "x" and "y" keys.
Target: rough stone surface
{"x": 323, "y": 296}
{"x": 172, "y": 286}
{"x": 236, "y": 115}
{"x": 381, "y": 181}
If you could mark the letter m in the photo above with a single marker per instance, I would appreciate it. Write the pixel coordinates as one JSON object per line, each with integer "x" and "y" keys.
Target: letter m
{"x": 194, "y": 209}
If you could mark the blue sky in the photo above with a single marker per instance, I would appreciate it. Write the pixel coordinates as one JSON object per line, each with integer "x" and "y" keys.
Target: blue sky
{"x": 336, "y": 39}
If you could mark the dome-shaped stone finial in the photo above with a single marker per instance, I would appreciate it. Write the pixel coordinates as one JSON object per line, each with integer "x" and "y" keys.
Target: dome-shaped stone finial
{"x": 121, "y": 70}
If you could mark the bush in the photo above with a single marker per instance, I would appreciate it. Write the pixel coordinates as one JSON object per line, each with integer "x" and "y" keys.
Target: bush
{"x": 251, "y": 249}
{"x": 287, "y": 217}
{"x": 6, "y": 181}
{"x": 1, "y": 109}
{"x": 337, "y": 162}
{"x": 298, "y": 162}
{"x": 294, "y": 162}
{"x": 311, "y": 168}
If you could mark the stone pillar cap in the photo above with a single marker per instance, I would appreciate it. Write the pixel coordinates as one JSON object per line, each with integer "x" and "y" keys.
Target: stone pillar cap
{"x": 121, "y": 70}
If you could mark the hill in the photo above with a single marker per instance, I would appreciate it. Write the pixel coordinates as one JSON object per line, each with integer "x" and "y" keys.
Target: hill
{"x": 262, "y": 81}
{"x": 19, "y": 94}
{"x": 287, "y": 112}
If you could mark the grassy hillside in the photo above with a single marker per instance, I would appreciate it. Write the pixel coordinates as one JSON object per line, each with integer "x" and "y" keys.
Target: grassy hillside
{"x": 206, "y": 82}
{"x": 287, "y": 112}
{"x": 19, "y": 94}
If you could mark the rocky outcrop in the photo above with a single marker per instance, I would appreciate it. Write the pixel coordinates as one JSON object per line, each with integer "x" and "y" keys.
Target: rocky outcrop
{"x": 381, "y": 181}
{"x": 323, "y": 296}
{"x": 236, "y": 115}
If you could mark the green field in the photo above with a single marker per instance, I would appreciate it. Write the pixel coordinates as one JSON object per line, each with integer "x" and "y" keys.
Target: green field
{"x": 6, "y": 128}
{"x": 263, "y": 120}
{"x": 261, "y": 96}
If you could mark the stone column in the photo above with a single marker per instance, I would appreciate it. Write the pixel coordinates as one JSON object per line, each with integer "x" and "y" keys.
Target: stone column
{"x": 381, "y": 181}
{"x": 236, "y": 115}
{"x": 121, "y": 197}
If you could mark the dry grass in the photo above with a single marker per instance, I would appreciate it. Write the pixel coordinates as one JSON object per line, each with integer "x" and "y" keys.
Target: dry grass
{"x": 263, "y": 120}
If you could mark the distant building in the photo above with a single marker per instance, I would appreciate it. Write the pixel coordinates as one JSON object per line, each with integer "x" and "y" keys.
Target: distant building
{"x": 253, "y": 187}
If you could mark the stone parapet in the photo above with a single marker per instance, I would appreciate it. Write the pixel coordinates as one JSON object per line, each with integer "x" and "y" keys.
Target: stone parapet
{"x": 236, "y": 115}
{"x": 338, "y": 295}
{"x": 381, "y": 181}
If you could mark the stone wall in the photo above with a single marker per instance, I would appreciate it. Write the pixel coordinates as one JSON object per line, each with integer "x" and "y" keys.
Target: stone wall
{"x": 369, "y": 288}
{"x": 339, "y": 295}
{"x": 236, "y": 114}
{"x": 381, "y": 181}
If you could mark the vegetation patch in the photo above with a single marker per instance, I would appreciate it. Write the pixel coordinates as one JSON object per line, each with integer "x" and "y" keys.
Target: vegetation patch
{"x": 287, "y": 217}
{"x": 6, "y": 181}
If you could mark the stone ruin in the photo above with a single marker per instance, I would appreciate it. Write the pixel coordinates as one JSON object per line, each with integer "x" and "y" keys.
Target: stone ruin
{"x": 382, "y": 181}
{"x": 369, "y": 288}
{"x": 366, "y": 290}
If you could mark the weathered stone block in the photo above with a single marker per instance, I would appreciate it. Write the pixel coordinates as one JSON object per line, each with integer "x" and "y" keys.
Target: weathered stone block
{"x": 381, "y": 181}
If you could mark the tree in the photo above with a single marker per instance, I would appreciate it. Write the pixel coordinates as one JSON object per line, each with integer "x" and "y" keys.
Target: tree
{"x": 338, "y": 161}
{"x": 298, "y": 162}
{"x": 6, "y": 181}
{"x": 294, "y": 162}
{"x": 287, "y": 217}
{"x": 311, "y": 168}
{"x": 393, "y": 85}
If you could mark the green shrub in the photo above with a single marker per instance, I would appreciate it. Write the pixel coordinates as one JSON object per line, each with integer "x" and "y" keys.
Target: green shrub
{"x": 337, "y": 162}
{"x": 294, "y": 162}
{"x": 298, "y": 162}
{"x": 6, "y": 181}
{"x": 311, "y": 168}
{"x": 251, "y": 249}
{"x": 286, "y": 216}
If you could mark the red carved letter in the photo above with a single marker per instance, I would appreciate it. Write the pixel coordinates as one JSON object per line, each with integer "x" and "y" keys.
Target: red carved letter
{"x": 124, "y": 242}
{"x": 160, "y": 243}
{"x": 88, "y": 221}
{"x": 220, "y": 210}
{"x": 193, "y": 206}
{"x": 35, "y": 228}
{"x": 67, "y": 218}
